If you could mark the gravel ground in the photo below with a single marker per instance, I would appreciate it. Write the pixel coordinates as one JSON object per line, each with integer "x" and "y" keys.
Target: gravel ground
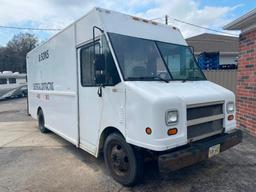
{"x": 31, "y": 161}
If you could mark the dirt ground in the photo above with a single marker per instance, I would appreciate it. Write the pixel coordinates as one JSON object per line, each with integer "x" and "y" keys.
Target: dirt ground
{"x": 31, "y": 162}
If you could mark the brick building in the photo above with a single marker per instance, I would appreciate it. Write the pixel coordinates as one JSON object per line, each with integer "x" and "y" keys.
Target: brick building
{"x": 246, "y": 76}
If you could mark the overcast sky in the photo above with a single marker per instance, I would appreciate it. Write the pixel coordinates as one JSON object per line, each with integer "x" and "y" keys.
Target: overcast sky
{"x": 59, "y": 13}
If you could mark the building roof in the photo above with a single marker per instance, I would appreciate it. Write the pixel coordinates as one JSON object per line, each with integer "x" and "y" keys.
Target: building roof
{"x": 244, "y": 23}
{"x": 207, "y": 42}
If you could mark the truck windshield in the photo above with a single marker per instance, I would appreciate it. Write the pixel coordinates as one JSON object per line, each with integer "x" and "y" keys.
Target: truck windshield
{"x": 142, "y": 59}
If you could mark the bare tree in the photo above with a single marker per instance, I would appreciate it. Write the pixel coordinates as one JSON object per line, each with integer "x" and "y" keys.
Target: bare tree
{"x": 13, "y": 56}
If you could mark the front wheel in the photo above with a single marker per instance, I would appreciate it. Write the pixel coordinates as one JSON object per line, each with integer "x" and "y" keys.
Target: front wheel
{"x": 124, "y": 163}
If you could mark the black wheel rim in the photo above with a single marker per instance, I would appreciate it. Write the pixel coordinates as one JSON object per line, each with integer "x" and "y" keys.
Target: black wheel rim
{"x": 119, "y": 160}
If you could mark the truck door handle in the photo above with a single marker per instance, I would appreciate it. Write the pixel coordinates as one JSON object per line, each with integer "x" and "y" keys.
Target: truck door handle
{"x": 100, "y": 91}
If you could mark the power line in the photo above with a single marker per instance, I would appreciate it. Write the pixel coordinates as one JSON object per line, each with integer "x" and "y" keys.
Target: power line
{"x": 195, "y": 25}
{"x": 28, "y": 28}
{"x": 156, "y": 18}
{"x": 202, "y": 27}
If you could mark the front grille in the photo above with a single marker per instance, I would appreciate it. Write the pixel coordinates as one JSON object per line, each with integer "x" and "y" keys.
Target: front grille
{"x": 204, "y": 111}
{"x": 204, "y": 129}
{"x": 204, "y": 120}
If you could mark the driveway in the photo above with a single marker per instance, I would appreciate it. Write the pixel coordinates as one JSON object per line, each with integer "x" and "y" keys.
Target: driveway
{"x": 31, "y": 162}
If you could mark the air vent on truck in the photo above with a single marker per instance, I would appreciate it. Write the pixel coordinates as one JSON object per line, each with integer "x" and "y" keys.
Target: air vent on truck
{"x": 204, "y": 120}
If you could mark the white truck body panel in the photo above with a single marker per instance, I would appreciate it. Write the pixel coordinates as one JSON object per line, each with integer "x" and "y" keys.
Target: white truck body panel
{"x": 60, "y": 105}
{"x": 80, "y": 116}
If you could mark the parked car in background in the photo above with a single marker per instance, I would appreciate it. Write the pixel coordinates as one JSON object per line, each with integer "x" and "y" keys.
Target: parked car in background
{"x": 12, "y": 85}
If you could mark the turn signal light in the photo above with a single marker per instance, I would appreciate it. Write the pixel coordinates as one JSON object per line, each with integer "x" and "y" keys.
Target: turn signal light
{"x": 230, "y": 117}
{"x": 172, "y": 131}
{"x": 148, "y": 130}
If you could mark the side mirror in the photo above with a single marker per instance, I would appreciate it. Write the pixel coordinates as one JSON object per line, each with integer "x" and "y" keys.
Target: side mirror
{"x": 99, "y": 62}
{"x": 99, "y": 78}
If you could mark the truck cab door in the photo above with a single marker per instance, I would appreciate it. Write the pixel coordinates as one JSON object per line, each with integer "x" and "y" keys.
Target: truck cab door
{"x": 92, "y": 105}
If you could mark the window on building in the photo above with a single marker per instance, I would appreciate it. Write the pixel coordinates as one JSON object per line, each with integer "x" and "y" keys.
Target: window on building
{"x": 12, "y": 80}
{"x": 3, "y": 81}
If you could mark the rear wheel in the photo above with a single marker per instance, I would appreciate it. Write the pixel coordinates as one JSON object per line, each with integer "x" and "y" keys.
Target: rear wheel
{"x": 124, "y": 163}
{"x": 41, "y": 125}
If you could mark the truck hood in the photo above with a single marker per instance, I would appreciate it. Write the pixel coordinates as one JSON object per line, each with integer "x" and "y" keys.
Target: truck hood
{"x": 191, "y": 92}
{"x": 148, "y": 102}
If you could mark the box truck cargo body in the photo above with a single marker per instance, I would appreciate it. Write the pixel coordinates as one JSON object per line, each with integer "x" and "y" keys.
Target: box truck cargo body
{"x": 128, "y": 87}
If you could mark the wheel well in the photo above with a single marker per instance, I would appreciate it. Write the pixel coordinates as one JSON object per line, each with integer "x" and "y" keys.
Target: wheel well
{"x": 107, "y": 131}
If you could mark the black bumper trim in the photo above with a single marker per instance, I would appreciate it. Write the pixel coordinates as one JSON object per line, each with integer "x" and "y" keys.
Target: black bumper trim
{"x": 197, "y": 151}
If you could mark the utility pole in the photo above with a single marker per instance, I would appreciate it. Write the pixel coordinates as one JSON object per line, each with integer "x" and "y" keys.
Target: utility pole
{"x": 166, "y": 19}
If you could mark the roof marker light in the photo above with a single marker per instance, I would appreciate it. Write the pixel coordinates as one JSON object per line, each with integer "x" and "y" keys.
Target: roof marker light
{"x": 145, "y": 21}
{"x": 154, "y": 23}
{"x": 136, "y": 18}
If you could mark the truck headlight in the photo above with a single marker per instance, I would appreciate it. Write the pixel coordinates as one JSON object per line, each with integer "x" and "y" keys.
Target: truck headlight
{"x": 171, "y": 117}
{"x": 230, "y": 107}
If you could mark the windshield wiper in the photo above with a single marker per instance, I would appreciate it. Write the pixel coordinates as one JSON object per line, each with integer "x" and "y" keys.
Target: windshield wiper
{"x": 191, "y": 79}
{"x": 148, "y": 78}
{"x": 162, "y": 79}
{"x": 140, "y": 78}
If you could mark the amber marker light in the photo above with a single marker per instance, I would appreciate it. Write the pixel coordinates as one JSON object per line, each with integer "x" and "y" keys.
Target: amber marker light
{"x": 172, "y": 131}
{"x": 148, "y": 130}
{"x": 230, "y": 117}
{"x": 136, "y": 18}
{"x": 154, "y": 23}
{"x": 145, "y": 21}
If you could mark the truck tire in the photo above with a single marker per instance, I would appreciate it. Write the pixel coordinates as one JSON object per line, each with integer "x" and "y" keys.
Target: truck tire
{"x": 40, "y": 119}
{"x": 124, "y": 163}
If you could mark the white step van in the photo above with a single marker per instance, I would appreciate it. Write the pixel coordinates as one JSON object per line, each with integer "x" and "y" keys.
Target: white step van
{"x": 127, "y": 87}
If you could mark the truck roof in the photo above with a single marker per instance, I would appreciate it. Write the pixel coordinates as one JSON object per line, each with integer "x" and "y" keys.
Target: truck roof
{"x": 116, "y": 22}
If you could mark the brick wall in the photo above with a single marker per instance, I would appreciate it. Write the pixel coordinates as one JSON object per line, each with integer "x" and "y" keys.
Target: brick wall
{"x": 246, "y": 83}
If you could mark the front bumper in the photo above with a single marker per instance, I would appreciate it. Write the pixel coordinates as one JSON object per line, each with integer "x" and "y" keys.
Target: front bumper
{"x": 197, "y": 151}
